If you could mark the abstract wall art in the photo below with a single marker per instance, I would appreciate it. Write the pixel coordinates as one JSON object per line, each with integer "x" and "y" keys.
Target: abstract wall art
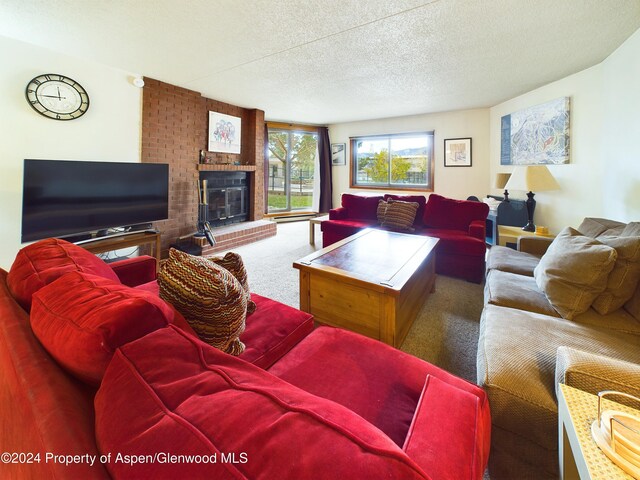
{"x": 536, "y": 135}
{"x": 224, "y": 133}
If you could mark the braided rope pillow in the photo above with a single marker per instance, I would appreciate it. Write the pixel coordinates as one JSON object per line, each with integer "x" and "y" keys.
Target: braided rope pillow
{"x": 208, "y": 296}
{"x": 233, "y": 262}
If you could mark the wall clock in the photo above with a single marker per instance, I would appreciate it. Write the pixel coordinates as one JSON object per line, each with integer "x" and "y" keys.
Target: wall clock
{"x": 58, "y": 97}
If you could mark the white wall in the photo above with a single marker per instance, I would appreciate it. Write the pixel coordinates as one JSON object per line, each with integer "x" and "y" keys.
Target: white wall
{"x": 109, "y": 131}
{"x": 603, "y": 177}
{"x": 454, "y": 182}
{"x": 620, "y": 148}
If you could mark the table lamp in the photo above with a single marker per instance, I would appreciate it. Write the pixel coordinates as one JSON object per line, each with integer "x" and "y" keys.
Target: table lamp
{"x": 501, "y": 181}
{"x": 530, "y": 178}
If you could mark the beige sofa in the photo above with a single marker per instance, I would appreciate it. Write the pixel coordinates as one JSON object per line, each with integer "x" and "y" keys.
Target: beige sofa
{"x": 526, "y": 348}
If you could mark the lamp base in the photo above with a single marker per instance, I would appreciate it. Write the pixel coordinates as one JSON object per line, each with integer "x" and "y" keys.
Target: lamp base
{"x": 531, "y": 207}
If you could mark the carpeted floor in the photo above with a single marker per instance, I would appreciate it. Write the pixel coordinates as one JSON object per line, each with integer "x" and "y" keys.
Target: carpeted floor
{"x": 445, "y": 332}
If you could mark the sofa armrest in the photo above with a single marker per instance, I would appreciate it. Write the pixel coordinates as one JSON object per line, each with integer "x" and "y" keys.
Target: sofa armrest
{"x": 478, "y": 229}
{"x": 136, "y": 270}
{"x": 450, "y": 420}
{"x": 594, "y": 373}
{"x": 338, "y": 213}
{"x": 534, "y": 245}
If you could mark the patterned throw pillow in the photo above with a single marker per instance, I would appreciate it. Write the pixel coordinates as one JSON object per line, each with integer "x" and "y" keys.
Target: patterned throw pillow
{"x": 382, "y": 211}
{"x": 208, "y": 296}
{"x": 400, "y": 215}
{"x": 233, "y": 262}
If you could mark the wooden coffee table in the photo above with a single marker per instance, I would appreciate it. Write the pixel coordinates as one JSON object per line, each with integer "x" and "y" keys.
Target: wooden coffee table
{"x": 373, "y": 283}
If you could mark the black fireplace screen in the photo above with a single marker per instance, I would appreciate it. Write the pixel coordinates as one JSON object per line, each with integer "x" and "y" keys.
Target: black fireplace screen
{"x": 228, "y": 194}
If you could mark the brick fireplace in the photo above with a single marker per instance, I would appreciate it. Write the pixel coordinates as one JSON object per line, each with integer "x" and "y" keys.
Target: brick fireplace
{"x": 174, "y": 131}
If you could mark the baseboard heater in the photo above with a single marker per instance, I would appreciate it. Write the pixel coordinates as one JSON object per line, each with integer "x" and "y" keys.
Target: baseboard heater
{"x": 293, "y": 218}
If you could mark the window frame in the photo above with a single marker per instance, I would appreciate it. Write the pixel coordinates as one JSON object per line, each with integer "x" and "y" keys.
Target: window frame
{"x": 353, "y": 174}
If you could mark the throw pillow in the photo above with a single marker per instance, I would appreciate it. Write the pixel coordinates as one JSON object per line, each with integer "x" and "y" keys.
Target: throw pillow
{"x": 400, "y": 215}
{"x": 419, "y": 199}
{"x": 382, "y": 211}
{"x": 632, "y": 229}
{"x": 574, "y": 271}
{"x": 208, "y": 296}
{"x": 233, "y": 262}
{"x": 622, "y": 281}
{"x": 41, "y": 263}
{"x": 81, "y": 319}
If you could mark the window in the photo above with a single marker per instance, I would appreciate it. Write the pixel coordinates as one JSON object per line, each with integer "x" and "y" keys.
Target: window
{"x": 397, "y": 161}
{"x": 292, "y": 156}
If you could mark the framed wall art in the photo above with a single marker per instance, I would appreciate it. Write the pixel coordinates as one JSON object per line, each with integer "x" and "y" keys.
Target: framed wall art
{"x": 338, "y": 154}
{"x": 224, "y": 133}
{"x": 537, "y": 135}
{"x": 457, "y": 152}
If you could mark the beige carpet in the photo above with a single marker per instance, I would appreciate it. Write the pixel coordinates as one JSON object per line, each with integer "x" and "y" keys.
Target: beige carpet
{"x": 445, "y": 332}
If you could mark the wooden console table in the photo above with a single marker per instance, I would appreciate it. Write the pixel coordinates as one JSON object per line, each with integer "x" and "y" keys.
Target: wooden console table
{"x": 109, "y": 244}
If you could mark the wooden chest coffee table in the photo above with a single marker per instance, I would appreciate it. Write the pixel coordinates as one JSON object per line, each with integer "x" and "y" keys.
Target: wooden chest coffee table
{"x": 373, "y": 283}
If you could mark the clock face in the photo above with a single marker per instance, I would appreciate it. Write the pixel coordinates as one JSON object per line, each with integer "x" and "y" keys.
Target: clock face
{"x": 58, "y": 97}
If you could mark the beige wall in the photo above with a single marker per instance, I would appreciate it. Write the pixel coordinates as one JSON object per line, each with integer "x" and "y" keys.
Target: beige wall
{"x": 620, "y": 146}
{"x": 603, "y": 177}
{"x": 454, "y": 182}
{"x": 109, "y": 131}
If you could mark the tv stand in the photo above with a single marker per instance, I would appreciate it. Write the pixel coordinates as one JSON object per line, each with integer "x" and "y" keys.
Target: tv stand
{"x": 128, "y": 239}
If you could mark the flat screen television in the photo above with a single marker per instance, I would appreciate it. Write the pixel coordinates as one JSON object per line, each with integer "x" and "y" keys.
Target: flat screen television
{"x": 61, "y": 198}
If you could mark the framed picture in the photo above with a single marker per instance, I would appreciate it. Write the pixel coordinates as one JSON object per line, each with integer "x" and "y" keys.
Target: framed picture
{"x": 338, "y": 154}
{"x": 457, "y": 152}
{"x": 224, "y": 133}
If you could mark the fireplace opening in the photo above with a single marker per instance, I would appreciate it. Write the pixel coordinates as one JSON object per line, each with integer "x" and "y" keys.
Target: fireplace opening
{"x": 228, "y": 197}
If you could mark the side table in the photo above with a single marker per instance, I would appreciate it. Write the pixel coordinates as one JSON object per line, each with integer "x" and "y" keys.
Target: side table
{"x": 312, "y": 225}
{"x": 510, "y": 235}
{"x": 579, "y": 456}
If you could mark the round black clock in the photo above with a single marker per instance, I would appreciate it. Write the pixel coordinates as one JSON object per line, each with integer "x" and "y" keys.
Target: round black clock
{"x": 58, "y": 97}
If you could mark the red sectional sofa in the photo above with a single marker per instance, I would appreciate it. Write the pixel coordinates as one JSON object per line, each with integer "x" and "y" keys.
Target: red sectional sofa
{"x": 459, "y": 224}
{"x": 297, "y": 403}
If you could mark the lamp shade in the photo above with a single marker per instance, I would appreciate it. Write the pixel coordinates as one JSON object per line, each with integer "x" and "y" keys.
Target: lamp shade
{"x": 502, "y": 179}
{"x": 532, "y": 178}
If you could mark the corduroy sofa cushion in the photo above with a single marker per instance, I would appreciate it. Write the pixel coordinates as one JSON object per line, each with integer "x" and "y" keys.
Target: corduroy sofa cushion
{"x": 623, "y": 279}
{"x": 41, "y": 263}
{"x": 81, "y": 319}
{"x": 574, "y": 271}
{"x": 509, "y": 260}
{"x": 208, "y": 296}
{"x": 200, "y": 401}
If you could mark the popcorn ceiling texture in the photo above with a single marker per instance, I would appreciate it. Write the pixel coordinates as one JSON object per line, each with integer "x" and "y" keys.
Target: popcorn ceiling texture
{"x": 336, "y": 60}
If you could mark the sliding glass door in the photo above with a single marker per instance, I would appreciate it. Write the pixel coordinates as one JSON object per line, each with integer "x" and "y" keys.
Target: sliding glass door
{"x": 292, "y": 159}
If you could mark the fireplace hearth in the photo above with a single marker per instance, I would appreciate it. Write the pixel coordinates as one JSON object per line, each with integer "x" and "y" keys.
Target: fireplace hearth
{"x": 228, "y": 197}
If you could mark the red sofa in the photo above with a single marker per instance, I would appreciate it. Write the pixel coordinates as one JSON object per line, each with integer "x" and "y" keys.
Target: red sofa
{"x": 459, "y": 224}
{"x": 296, "y": 404}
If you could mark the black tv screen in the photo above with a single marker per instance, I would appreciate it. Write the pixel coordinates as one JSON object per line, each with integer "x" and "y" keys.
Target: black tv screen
{"x": 63, "y": 197}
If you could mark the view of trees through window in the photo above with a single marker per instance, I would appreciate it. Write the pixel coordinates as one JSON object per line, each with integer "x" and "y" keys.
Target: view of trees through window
{"x": 292, "y": 156}
{"x": 398, "y": 161}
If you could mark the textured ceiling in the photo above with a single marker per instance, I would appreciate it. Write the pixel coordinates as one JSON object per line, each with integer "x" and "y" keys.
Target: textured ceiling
{"x": 330, "y": 61}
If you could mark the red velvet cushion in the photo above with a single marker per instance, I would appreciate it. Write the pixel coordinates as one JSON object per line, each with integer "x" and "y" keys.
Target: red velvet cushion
{"x": 81, "y": 319}
{"x": 419, "y": 199}
{"x": 378, "y": 382}
{"x": 272, "y": 330}
{"x": 442, "y": 212}
{"x": 456, "y": 242}
{"x": 193, "y": 399}
{"x": 359, "y": 206}
{"x": 41, "y": 263}
{"x": 449, "y": 416}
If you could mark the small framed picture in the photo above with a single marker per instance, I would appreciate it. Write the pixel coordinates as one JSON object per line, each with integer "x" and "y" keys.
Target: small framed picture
{"x": 457, "y": 152}
{"x": 338, "y": 154}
